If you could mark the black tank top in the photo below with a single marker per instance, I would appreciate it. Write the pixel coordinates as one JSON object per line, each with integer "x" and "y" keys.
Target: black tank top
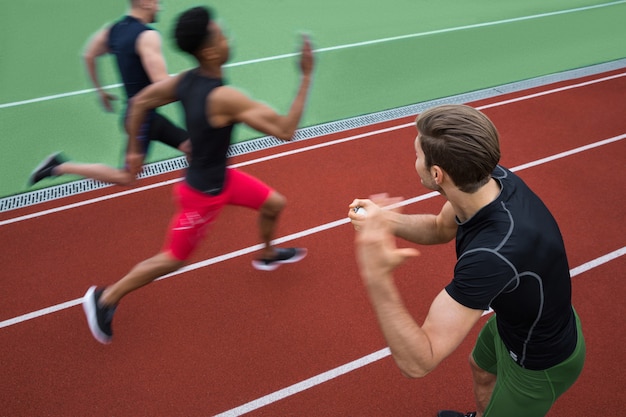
{"x": 122, "y": 43}
{"x": 209, "y": 145}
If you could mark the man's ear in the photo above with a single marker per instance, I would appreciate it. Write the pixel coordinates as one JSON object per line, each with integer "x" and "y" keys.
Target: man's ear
{"x": 437, "y": 173}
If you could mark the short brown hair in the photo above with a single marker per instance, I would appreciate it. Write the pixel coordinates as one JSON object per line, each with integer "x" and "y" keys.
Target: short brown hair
{"x": 462, "y": 141}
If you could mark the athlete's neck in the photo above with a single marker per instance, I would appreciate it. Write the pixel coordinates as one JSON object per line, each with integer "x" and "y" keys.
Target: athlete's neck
{"x": 141, "y": 15}
{"x": 466, "y": 205}
{"x": 210, "y": 71}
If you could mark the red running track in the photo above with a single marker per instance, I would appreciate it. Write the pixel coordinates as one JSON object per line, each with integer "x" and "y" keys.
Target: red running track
{"x": 221, "y": 337}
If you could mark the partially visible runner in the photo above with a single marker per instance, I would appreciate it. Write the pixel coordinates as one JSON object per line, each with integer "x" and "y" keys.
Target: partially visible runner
{"x": 211, "y": 109}
{"x": 137, "y": 49}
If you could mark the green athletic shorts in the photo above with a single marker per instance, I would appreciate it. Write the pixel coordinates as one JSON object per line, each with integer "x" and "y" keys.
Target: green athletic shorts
{"x": 522, "y": 392}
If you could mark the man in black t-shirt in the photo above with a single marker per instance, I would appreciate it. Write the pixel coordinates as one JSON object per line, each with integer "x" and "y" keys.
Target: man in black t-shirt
{"x": 510, "y": 258}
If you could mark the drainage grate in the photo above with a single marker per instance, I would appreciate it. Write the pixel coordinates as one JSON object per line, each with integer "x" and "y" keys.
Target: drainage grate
{"x": 161, "y": 167}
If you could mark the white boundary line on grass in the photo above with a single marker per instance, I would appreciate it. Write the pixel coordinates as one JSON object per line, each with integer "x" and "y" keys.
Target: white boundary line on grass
{"x": 351, "y": 45}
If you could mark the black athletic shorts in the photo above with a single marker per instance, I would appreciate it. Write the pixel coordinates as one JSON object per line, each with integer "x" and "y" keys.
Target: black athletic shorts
{"x": 163, "y": 130}
{"x": 159, "y": 128}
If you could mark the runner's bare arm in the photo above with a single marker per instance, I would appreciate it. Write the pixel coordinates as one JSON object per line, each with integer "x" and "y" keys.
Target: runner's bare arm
{"x": 229, "y": 105}
{"x": 425, "y": 229}
{"x": 149, "y": 49}
{"x": 97, "y": 47}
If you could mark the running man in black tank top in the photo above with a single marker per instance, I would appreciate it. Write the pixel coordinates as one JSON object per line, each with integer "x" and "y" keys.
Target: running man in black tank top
{"x": 510, "y": 258}
{"x": 137, "y": 49}
{"x": 211, "y": 111}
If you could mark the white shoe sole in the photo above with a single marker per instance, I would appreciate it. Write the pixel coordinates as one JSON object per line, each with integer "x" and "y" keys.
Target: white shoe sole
{"x": 89, "y": 307}
{"x": 274, "y": 265}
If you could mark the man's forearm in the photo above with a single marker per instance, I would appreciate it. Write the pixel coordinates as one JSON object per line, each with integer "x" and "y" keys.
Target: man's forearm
{"x": 409, "y": 344}
{"x": 297, "y": 108}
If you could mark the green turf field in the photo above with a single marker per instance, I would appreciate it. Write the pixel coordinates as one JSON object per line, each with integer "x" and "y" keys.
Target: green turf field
{"x": 371, "y": 56}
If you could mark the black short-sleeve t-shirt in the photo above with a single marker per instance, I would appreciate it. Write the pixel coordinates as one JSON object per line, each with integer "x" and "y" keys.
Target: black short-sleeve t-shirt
{"x": 511, "y": 258}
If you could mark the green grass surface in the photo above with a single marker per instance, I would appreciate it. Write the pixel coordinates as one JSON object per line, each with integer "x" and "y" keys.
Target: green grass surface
{"x": 443, "y": 53}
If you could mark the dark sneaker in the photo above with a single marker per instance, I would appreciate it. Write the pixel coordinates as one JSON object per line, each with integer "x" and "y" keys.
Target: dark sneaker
{"x": 283, "y": 256}
{"x": 45, "y": 168}
{"x": 449, "y": 413}
{"x": 99, "y": 317}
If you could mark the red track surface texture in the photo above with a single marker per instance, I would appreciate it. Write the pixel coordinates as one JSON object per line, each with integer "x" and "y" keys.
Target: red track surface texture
{"x": 221, "y": 337}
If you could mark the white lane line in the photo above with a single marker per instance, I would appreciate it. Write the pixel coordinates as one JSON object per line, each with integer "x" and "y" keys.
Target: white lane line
{"x": 304, "y": 233}
{"x": 368, "y": 359}
{"x": 328, "y": 375}
{"x": 597, "y": 262}
{"x": 570, "y": 152}
{"x": 346, "y": 46}
{"x": 306, "y": 384}
{"x": 555, "y": 90}
{"x": 168, "y": 182}
{"x": 185, "y": 269}
{"x": 300, "y": 150}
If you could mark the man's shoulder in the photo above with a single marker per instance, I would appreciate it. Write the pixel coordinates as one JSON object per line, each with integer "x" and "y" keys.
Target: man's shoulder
{"x": 149, "y": 35}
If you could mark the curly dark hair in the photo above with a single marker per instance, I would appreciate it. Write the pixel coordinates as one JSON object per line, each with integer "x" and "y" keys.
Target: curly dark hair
{"x": 191, "y": 31}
